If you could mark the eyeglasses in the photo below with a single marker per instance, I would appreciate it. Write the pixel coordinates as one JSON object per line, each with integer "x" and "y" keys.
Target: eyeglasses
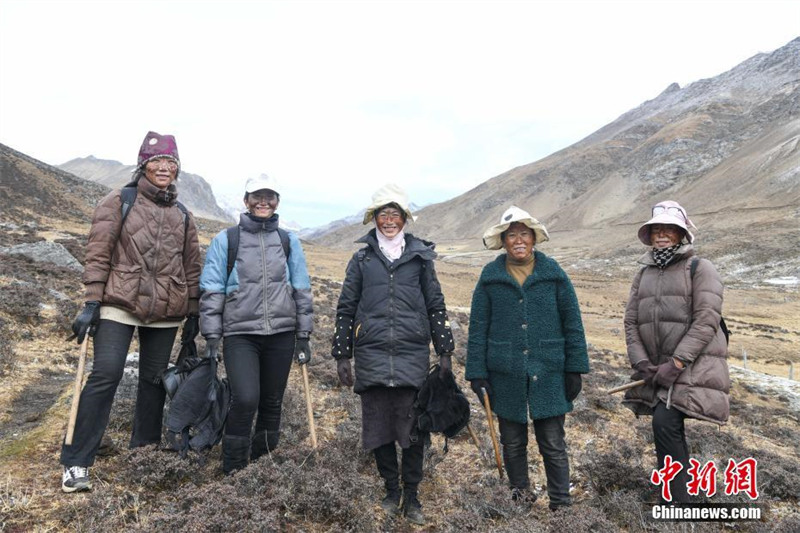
{"x": 263, "y": 196}
{"x": 157, "y": 164}
{"x": 670, "y": 229}
{"x": 383, "y": 216}
{"x": 524, "y": 235}
{"x": 673, "y": 211}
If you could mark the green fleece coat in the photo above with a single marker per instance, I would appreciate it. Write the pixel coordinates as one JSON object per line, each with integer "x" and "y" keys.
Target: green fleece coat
{"x": 524, "y": 339}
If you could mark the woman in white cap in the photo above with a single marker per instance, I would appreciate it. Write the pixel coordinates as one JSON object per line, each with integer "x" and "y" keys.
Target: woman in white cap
{"x": 390, "y": 309}
{"x": 142, "y": 272}
{"x": 527, "y": 350}
{"x": 256, "y": 294}
{"x": 674, "y": 337}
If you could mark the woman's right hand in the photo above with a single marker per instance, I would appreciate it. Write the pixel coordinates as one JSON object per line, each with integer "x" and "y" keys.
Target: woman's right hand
{"x": 477, "y": 385}
{"x": 646, "y": 371}
{"x": 344, "y": 369}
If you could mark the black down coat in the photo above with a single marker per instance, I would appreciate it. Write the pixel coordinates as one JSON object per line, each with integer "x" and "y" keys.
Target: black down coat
{"x": 387, "y": 311}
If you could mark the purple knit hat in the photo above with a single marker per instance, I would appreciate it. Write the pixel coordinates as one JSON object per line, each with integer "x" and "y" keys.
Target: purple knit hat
{"x": 157, "y": 145}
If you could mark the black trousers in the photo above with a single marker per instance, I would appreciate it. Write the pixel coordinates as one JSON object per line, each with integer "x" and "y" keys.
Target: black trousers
{"x": 258, "y": 369}
{"x": 111, "y": 344}
{"x": 549, "y": 434}
{"x": 670, "y": 437}
{"x": 411, "y": 464}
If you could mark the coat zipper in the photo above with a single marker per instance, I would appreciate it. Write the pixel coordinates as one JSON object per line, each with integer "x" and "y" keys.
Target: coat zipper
{"x": 391, "y": 327}
{"x": 155, "y": 269}
{"x": 261, "y": 235}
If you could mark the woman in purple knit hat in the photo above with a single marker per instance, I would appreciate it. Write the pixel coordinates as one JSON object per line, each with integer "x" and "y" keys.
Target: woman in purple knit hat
{"x": 142, "y": 272}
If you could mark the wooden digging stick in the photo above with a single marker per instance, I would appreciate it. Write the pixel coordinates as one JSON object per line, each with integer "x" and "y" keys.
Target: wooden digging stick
{"x": 627, "y": 386}
{"x": 309, "y": 409}
{"x": 76, "y": 395}
{"x": 477, "y": 444}
{"x": 496, "y": 446}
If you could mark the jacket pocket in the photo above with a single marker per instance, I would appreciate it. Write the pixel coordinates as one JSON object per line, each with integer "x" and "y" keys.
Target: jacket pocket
{"x": 178, "y": 303}
{"x": 553, "y": 355}
{"x": 499, "y": 358}
{"x": 122, "y": 287}
{"x": 424, "y": 327}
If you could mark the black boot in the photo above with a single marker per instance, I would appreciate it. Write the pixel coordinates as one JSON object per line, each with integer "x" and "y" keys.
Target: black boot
{"x": 263, "y": 442}
{"x": 412, "y": 509}
{"x": 386, "y": 460}
{"x": 234, "y": 453}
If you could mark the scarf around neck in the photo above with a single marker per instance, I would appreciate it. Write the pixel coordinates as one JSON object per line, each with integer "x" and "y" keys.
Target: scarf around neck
{"x": 663, "y": 256}
{"x": 391, "y": 248}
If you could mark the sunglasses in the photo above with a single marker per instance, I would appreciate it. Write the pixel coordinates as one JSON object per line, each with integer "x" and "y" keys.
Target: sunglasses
{"x": 672, "y": 211}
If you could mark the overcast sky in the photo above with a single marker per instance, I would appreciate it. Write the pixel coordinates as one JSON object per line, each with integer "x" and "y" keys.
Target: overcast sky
{"x": 335, "y": 98}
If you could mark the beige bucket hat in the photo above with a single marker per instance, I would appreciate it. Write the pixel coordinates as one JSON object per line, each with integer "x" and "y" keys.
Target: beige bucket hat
{"x": 667, "y": 212}
{"x": 388, "y": 194}
{"x": 491, "y": 237}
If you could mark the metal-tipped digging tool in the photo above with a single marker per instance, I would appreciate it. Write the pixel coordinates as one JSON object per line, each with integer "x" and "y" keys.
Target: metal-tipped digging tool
{"x": 627, "y": 386}
{"x": 309, "y": 408}
{"x": 76, "y": 395}
{"x": 489, "y": 421}
{"x": 477, "y": 444}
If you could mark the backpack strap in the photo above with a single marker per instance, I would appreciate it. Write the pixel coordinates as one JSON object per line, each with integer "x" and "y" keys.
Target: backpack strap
{"x": 284, "y": 235}
{"x": 722, "y": 324}
{"x": 233, "y": 247}
{"x": 128, "y": 196}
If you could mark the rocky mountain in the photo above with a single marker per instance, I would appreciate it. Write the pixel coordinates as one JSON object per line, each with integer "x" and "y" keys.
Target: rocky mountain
{"x": 31, "y": 191}
{"x": 193, "y": 190}
{"x": 726, "y": 147}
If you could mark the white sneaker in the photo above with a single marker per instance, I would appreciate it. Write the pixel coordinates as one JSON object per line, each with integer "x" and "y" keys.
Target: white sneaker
{"x": 75, "y": 479}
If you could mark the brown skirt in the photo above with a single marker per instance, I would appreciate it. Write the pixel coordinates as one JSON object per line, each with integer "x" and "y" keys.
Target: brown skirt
{"x": 387, "y": 415}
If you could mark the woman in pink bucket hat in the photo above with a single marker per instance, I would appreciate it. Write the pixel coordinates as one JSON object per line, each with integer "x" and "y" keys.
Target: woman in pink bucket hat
{"x": 675, "y": 339}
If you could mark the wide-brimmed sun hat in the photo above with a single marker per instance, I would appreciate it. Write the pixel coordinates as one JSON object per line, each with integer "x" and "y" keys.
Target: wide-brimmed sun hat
{"x": 667, "y": 212}
{"x": 388, "y": 194}
{"x": 492, "y": 239}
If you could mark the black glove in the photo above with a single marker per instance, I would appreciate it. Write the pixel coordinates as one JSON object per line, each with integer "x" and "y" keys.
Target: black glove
{"x": 477, "y": 385}
{"x": 645, "y": 371}
{"x": 344, "y": 369}
{"x": 302, "y": 350}
{"x": 212, "y": 345}
{"x": 573, "y": 382}
{"x": 667, "y": 374}
{"x": 445, "y": 365}
{"x": 86, "y": 321}
{"x": 191, "y": 327}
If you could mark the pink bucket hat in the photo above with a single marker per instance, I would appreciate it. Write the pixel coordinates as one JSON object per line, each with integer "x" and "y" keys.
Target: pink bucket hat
{"x": 667, "y": 212}
{"x": 157, "y": 145}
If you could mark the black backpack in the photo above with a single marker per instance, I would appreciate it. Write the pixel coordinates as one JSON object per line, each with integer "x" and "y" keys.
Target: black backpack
{"x": 233, "y": 245}
{"x": 199, "y": 403}
{"x": 440, "y": 407}
{"x": 722, "y": 325}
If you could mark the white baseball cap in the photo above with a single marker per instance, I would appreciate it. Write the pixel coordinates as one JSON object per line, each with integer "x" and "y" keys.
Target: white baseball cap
{"x": 262, "y": 182}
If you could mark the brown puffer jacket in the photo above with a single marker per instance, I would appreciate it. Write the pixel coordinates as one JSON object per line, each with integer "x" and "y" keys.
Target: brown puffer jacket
{"x": 669, "y": 314}
{"x": 144, "y": 267}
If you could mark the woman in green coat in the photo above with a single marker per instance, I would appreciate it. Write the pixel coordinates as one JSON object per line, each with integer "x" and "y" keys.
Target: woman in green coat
{"x": 527, "y": 350}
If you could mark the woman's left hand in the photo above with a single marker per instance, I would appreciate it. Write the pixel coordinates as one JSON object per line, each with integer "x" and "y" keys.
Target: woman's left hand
{"x": 302, "y": 350}
{"x": 573, "y": 383}
{"x": 667, "y": 374}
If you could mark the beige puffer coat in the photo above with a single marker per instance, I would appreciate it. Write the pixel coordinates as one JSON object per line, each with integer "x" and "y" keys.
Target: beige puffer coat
{"x": 669, "y": 314}
{"x": 150, "y": 265}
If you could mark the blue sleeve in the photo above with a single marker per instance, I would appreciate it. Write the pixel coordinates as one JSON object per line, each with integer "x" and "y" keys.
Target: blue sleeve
{"x": 297, "y": 271}
{"x": 212, "y": 287}
{"x": 297, "y": 275}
